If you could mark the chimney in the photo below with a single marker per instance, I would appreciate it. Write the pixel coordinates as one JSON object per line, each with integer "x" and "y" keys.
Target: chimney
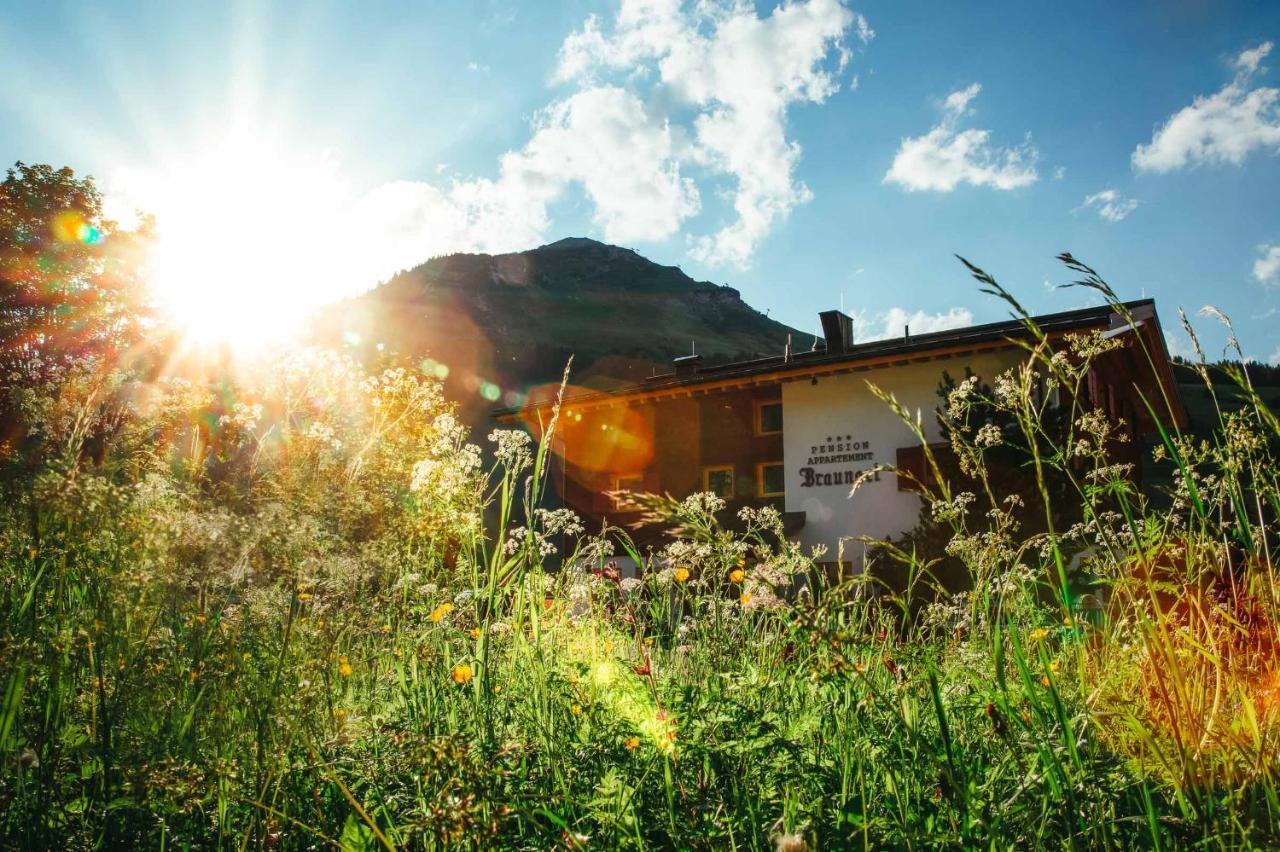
{"x": 837, "y": 328}
{"x": 686, "y": 365}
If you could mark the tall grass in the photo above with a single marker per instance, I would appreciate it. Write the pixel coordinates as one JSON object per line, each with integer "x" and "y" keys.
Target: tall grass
{"x": 271, "y": 617}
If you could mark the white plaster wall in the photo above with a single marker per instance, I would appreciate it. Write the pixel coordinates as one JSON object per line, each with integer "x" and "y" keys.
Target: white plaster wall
{"x": 843, "y": 407}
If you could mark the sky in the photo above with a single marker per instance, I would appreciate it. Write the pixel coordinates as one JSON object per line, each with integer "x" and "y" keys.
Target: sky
{"x": 812, "y": 154}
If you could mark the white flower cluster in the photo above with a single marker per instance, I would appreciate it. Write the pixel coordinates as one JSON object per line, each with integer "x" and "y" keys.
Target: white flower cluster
{"x": 243, "y": 415}
{"x": 961, "y": 397}
{"x": 703, "y": 502}
{"x": 513, "y": 448}
{"x": 989, "y": 435}
{"x": 761, "y": 518}
{"x": 446, "y": 481}
{"x": 323, "y": 433}
{"x": 948, "y": 511}
{"x": 520, "y": 537}
{"x": 560, "y": 521}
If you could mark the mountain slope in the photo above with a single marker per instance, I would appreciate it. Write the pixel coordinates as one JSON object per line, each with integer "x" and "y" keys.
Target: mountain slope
{"x": 513, "y": 320}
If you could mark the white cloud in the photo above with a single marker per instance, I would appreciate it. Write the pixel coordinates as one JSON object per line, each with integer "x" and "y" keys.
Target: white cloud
{"x": 1224, "y": 127}
{"x": 1266, "y": 269}
{"x": 1111, "y": 205}
{"x": 739, "y": 73}
{"x": 946, "y": 156}
{"x": 663, "y": 96}
{"x": 637, "y": 190}
{"x": 1179, "y": 345}
{"x": 895, "y": 321}
{"x": 1250, "y": 60}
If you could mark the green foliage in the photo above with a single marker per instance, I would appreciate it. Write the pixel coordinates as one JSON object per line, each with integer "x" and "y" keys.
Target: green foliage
{"x": 264, "y": 612}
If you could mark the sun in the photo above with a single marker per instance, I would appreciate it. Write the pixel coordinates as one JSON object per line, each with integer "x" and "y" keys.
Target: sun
{"x": 253, "y": 234}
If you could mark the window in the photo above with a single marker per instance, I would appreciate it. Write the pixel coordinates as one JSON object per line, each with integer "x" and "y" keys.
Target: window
{"x": 631, "y": 482}
{"x": 718, "y": 480}
{"x": 769, "y": 418}
{"x": 771, "y": 479}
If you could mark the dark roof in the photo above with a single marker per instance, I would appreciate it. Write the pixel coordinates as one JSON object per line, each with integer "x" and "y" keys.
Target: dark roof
{"x": 916, "y": 344}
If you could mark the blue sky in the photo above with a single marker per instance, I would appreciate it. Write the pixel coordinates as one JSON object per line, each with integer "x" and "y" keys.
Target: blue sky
{"x": 808, "y": 154}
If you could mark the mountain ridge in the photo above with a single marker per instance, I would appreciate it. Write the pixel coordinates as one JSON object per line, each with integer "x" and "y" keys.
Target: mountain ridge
{"x": 512, "y": 320}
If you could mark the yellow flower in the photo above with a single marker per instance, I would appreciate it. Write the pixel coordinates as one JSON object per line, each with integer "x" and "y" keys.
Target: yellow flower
{"x": 1053, "y": 667}
{"x": 576, "y": 709}
{"x": 344, "y": 666}
{"x": 339, "y": 715}
{"x": 475, "y": 633}
{"x": 461, "y": 673}
{"x": 648, "y": 640}
{"x": 386, "y": 628}
{"x": 745, "y": 599}
{"x": 440, "y": 612}
{"x": 304, "y": 596}
{"x": 1044, "y": 681}
{"x": 737, "y": 575}
{"x": 497, "y": 689}
{"x": 633, "y": 743}
{"x": 682, "y": 574}
{"x": 1038, "y": 634}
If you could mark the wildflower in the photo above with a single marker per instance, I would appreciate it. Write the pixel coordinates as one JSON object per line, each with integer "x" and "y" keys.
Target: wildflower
{"x": 513, "y": 448}
{"x": 745, "y": 599}
{"x": 461, "y": 673}
{"x": 344, "y": 666}
{"x": 1053, "y": 667}
{"x": 475, "y": 633}
{"x": 1038, "y": 634}
{"x": 576, "y": 709}
{"x": 791, "y": 843}
{"x": 497, "y": 689}
{"x": 386, "y": 628}
{"x": 440, "y": 612}
{"x": 633, "y": 743}
{"x": 1044, "y": 681}
{"x": 989, "y": 435}
{"x": 339, "y": 715}
{"x": 682, "y": 574}
{"x": 737, "y": 575}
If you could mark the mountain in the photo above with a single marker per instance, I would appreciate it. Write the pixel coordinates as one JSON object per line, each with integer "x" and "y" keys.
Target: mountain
{"x": 508, "y": 322}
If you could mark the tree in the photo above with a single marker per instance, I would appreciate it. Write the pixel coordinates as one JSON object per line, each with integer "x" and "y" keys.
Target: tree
{"x": 71, "y": 289}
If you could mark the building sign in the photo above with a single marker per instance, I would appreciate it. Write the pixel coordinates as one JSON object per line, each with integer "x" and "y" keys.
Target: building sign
{"x": 839, "y": 452}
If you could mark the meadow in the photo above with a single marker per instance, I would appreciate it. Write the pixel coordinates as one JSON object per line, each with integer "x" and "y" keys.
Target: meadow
{"x": 296, "y": 608}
